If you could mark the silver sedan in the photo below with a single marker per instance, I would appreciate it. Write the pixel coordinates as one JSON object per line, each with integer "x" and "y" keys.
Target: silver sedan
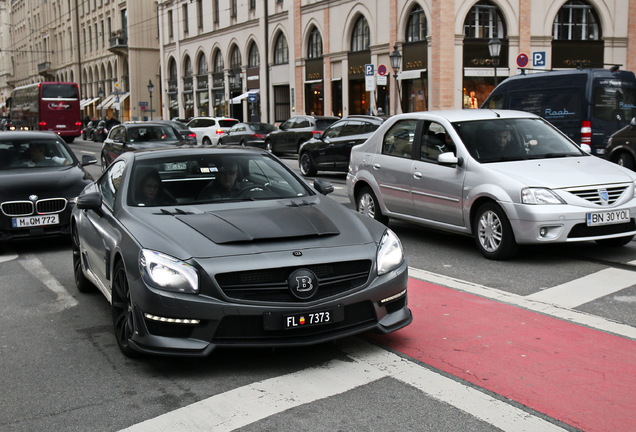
{"x": 504, "y": 177}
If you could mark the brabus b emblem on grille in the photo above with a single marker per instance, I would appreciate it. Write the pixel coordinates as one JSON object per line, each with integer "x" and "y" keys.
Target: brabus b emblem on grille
{"x": 303, "y": 284}
{"x": 604, "y": 196}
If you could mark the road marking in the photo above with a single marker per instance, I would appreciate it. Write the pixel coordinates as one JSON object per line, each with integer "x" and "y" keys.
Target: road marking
{"x": 33, "y": 265}
{"x": 556, "y": 311}
{"x": 248, "y": 404}
{"x": 588, "y": 288}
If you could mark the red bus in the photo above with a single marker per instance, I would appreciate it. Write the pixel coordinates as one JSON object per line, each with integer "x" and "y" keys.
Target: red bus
{"x": 47, "y": 106}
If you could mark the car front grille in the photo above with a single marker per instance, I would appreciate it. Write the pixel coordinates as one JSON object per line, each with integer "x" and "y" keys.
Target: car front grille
{"x": 270, "y": 285}
{"x": 593, "y": 195}
{"x": 244, "y": 328}
{"x": 26, "y": 208}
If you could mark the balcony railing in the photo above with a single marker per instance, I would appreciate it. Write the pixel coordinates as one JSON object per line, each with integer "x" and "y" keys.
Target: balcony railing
{"x": 118, "y": 43}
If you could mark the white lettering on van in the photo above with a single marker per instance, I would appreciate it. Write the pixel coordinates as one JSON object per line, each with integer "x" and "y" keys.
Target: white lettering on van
{"x": 557, "y": 113}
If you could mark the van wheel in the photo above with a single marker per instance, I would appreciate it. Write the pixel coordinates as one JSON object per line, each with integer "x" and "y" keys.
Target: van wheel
{"x": 493, "y": 233}
{"x": 367, "y": 204}
{"x": 625, "y": 160}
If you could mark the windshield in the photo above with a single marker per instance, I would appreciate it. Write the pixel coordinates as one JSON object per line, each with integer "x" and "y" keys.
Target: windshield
{"x": 33, "y": 153}
{"x": 514, "y": 139}
{"x": 151, "y": 133}
{"x": 212, "y": 178}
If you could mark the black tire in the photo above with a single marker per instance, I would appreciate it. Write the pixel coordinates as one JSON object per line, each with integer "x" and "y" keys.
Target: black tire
{"x": 625, "y": 160}
{"x": 306, "y": 165}
{"x": 221, "y": 142}
{"x": 122, "y": 311}
{"x": 493, "y": 234}
{"x": 81, "y": 282}
{"x": 367, "y": 204}
{"x": 242, "y": 143}
{"x": 206, "y": 141}
{"x": 615, "y": 242}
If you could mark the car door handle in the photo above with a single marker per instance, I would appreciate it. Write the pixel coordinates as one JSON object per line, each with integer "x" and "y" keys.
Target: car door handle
{"x": 376, "y": 166}
{"x": 417, "y": 175}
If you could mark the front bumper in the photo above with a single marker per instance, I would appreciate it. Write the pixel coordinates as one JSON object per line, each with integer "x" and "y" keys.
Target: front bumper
{"x": 380, "y": 305}
{"x": 539, "y": 224}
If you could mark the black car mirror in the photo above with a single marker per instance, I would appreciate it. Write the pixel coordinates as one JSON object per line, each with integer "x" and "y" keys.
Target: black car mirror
{"x": 323, "y": 186}
{"x": 90, "y": 201}
{"x": 317, "y": 135}
{"x": 88, "y": 160}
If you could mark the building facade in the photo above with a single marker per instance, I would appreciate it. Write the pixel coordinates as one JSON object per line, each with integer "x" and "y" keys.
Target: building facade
{"x": 271, "y": 59}
{"x": 109, "y": 47}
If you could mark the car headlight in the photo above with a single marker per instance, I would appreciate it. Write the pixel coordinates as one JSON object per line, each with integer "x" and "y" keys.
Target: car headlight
{"x": 539, "y": 196}
{"x": 390, "y": 254}
{"x": 168, "y": 273}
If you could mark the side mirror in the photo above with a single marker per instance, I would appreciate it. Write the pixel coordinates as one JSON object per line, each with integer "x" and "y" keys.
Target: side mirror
{"x": 449, "y": 158}
{"x": 88, "y": 160}
{"x": 317, "y": 135}
{"x": 323, "y": 186}
{"x": 586, "y": 148}
{"x": 90, "y": 201}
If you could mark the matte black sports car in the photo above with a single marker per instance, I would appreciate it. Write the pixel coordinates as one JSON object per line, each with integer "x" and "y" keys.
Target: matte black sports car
{"x": 40, "y": 178}
{"x": 197, "y": 249}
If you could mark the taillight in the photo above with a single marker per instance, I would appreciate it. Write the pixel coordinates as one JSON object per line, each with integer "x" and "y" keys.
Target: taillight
{"x": 259, "y": 136}
{"x": 220, "y": 131}
{"x": 586, "y": 132}
{"x": 42, "y": 124}
{"x": 192, "y": 135}
{"x": 78, "y": 123}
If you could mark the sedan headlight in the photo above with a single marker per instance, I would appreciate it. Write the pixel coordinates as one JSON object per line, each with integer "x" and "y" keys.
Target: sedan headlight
{"x": 168, "y": 273}
{"x": 390, "y": 254}
{"x": 539, "y": 196}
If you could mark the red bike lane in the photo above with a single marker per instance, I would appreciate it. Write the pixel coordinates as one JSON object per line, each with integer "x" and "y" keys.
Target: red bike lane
{"x": 580, "y": 376}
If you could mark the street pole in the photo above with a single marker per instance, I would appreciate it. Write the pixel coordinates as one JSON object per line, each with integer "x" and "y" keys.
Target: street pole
{"x": 151, "y": 87}
{"x": 396, "y": 62}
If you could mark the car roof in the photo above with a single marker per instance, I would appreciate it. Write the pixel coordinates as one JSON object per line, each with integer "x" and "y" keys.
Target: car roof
{"x": 8, "y": 135}
{"x": 191, "y": 150}
{"x": 465, "y": 115}
{"x": 212, "y": 118}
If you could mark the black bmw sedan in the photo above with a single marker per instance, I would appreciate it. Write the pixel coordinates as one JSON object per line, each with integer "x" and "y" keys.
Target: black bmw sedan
{"x": 40, "y": 179}
{"x": 198, "y": 249}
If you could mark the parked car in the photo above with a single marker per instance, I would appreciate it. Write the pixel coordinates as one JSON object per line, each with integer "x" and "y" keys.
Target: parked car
{"x": 621, "y": 147}
{"x": 135, "y": 136}
{"x": 247, "y": 134}
{"x": 277, "y": 263}
{"x": 6, "y": 124}
{"x": 40, "y": 178}
{"x": 87, "y": 131}
{"x": 295, "y": 131}
{"x": 188, "y": 134}
{"x": 504, "y": 177}
{"x": 330, "y": 150}
{"x": 209, "y": 129}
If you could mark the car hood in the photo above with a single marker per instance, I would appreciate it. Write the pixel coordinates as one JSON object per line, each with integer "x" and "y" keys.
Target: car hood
{"x": 560, "y": 173}
{"x": 236, "y": 229}
{"x": 19, "y": 184}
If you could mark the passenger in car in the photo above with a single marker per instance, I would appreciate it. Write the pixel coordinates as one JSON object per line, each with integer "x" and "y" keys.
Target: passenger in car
{"x": 150, "y": 190}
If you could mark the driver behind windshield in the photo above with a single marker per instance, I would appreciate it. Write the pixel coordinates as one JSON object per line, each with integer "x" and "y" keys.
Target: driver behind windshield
{"x": 37, "y": 156}
{"x": 225, "y": 185}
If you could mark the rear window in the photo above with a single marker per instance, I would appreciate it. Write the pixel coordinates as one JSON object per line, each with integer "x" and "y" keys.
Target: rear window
{"x": 59, "y": 91}
{"x": 323, "y": 124}
{"x": 227, "y": 123}
{"x": 263, "y": 128}
{"x": 614, "y": 100}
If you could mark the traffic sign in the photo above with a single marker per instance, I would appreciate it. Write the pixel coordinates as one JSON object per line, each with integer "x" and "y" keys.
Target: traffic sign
{"x": 522, "y": 60}
{"x": 382, "y": 70}
{"x": 538, "y": 58}
{"x": 369, "y": 69}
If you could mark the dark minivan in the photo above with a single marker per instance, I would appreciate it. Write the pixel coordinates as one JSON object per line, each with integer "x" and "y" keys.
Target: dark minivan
{"x": 588, "y": 105}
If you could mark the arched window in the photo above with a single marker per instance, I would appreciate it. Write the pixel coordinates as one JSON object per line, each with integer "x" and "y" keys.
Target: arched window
{"x": 172, "y": 69}
{"x": 484, "y": 22}
{"x": 218, "y": 62}
{"x": 360, "y": 39}
{"x": 281, "y": 51}
{"x": 187, "y": 66}
{"x": 314, "y": 48}
{"x": 576, "y": 20}
{"x": 254, "y": 59}
{"x": 202, "y": 65}
{"x": 235, "y": 59}
{"x": 416, "y": 27}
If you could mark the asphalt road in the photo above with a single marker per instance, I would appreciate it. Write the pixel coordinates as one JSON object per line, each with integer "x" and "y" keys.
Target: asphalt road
{"x": 492, "y": 345}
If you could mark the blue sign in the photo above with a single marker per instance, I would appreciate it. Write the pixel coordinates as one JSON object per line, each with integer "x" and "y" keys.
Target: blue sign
{"x": 538, "y": 59}
{"x": 251, "y": 97}
{"x": 369, "y": 70}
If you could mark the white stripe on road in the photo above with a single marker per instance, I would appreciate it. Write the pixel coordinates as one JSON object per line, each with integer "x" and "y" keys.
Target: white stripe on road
{"x": 34, "y": 266}
{"x": 556, "y": 311}
{"x": 245, "y": 405}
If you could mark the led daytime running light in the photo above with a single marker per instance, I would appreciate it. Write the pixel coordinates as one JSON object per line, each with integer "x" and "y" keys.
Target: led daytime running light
{"x": 171, "y": 320}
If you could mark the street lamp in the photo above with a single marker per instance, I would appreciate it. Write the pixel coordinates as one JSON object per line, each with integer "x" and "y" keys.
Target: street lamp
{"x": 151, "y": 87}
{"x": 100, "y": 94}
{"x": 396, "y": 62}
{"x": 494, "y": 46}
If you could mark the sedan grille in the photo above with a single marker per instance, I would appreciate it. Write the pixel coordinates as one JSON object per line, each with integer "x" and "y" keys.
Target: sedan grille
{"x": 270, "y": 285}
{"x": 596, "y": 195}
{"x": 26, "y": 208}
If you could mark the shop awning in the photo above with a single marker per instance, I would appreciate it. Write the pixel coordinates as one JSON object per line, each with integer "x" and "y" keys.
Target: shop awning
{"x": 239, "y": 98}
{"x": 106, "y": 102}
{"x": 115, "y": 103}
{"x": 86, "y": 102}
